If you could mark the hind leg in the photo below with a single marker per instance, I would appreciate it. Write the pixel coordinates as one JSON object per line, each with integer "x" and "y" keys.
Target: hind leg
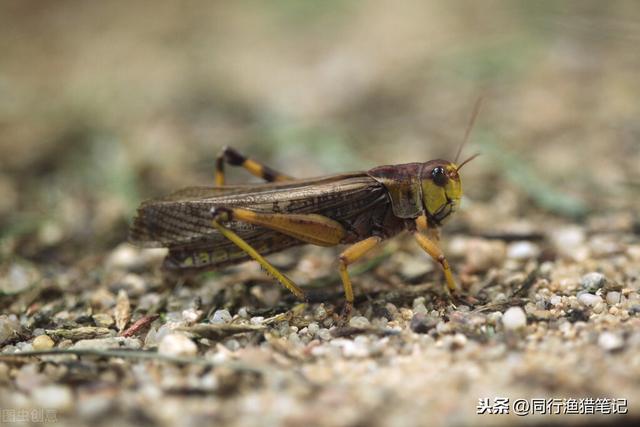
{"x": 352, "y": 254}
{"x": 235, "y": 158}
{"x": 270, "y": 269}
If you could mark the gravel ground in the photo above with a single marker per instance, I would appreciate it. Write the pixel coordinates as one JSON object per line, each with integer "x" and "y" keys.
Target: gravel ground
{"x": 103, "y": 105}
{"x": 537, "y": 320}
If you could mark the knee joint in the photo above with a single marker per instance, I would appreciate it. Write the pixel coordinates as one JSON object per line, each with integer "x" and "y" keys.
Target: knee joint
{"x": 220, "y": 213}
{"x": 233, "y": 157}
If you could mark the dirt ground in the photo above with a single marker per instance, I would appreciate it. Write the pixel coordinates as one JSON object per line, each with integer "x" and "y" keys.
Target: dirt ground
{"x": 103, "y": 105}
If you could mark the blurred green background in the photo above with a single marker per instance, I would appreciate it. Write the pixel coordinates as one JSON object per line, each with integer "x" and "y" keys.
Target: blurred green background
{"x": 103, "y": 104}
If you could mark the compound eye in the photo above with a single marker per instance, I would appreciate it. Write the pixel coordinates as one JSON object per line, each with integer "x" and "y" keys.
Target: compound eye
{"x": 439, "y": 176}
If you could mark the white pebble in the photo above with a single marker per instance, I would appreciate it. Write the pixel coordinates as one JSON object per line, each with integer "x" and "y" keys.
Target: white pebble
{"x": 351, "y": 348}
{"x": 191, "y": 315}
{"x": 494, "y": 317}
{"x": 124, "y": 256}
{"x": 324, "y": 334}
{"x": 221, "y": 316}
{"x": 19, "y": 279}
{"x": 177, "y": 345}
{"x": 359, "y": 322}
{"x": 514, "y": 318}
{"x": 523, "y": 250}
{"x": 593, "y": 281}
{"x": 53, "y": 397}
{"x": 233, "y": 344}
{"x": 567, "y": 239}
{"x": 589, "y": 299}
{"x": 420, "y": 309}
{"x": 459, "y": 340}
{"x": 610, "y": 341}
{"x": 555, "y": 300}
{"x": 613, "y": 297}
{"x": 256, "y": 320}
{"x": 313, "y": 328}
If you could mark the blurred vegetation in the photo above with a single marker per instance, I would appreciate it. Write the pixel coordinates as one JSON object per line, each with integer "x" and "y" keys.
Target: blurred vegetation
{"x": 104, "y": 104}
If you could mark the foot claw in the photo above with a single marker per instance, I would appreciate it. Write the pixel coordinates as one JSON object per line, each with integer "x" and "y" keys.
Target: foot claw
{"x": 345, "y": 314}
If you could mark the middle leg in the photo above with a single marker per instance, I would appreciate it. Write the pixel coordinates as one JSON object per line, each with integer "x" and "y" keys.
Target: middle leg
{"x": 349, "y": 256}
{"x": 432, "y": 248}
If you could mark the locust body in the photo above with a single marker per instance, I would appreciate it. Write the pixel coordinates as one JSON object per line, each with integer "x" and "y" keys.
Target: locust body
{"x": 206, "y": 228}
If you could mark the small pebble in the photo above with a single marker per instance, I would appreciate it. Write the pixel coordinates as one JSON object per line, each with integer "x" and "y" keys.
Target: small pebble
{"x": 234, "y": 345}
{"x": 56, "y": 397}
{"x": 414, "y": 267}
{"x": 127, "y": 257}
{"x": 103, "y": 320}
{"x": 29, "y": 378}
{"x": 124, "y": 256}
{"x": 494, "y": 317}
{"x": 422, "y": 323}
{"x": 500, "y": 297}
{"x": 133, "y": 284}
{"x": 420, "y": 308}
{"x": 613, "y": 297}
{"x": 359, "y": 322}
{"x": 9, "y": 327}
{"x": 108, "y": 343}
{"x": 320, "y": 313}
{"x": 42, "y": 342}
{"x": 610, "y": 341}
{"x": 482, "y": 254}
{"x": 459, "y": 340}
{"x": 599, "y": 307}
{"x": 313, "y": 328}
{"x": 514, "y": 318}
{"x": 175, "y": 344}
{"x": 443, "y": 327}
{"x": 24, "y": 346}
{"x": 18, "y": 279}
{"x": 523, "y": 250}
{"x": 94, "y": 406}
{"x": 256, "y": 320}
{"x": 593, "y": 281}
{"x": 589, "y": 300}
{"x": 221, "y": 316}
{"x": 324, "y": 334}
{"x": 555, "y": 300}
{"x": 567, "y": 239}
{"x": 191, "y": 315}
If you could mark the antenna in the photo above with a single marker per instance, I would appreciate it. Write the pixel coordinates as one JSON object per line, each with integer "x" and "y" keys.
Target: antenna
{"x": 467, "y": 161}
{"x": 476, "y": 110}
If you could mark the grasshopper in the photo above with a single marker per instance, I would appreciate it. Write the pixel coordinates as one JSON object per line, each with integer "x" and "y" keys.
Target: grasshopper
{"x": 206, "y": 228}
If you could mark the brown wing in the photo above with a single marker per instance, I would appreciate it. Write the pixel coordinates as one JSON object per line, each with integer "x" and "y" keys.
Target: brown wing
{"x": 182, "y": 220}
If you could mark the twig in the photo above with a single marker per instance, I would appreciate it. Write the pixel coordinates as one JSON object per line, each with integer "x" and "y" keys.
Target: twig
{"x": 139, "y": 324}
